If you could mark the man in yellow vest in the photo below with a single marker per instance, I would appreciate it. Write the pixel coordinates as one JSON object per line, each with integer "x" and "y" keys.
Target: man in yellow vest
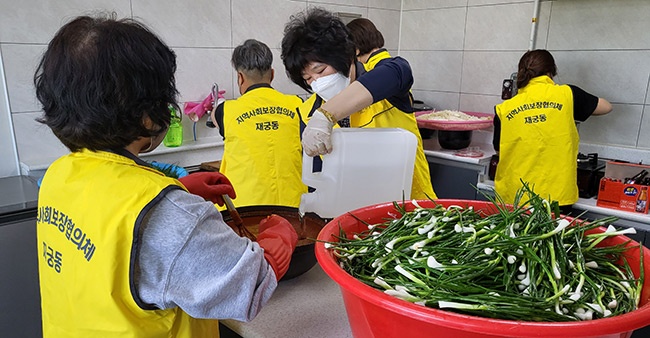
{"x": 535, "y": 132}
{"x": 125, "y": 251}
{"x": 261, "y": 130}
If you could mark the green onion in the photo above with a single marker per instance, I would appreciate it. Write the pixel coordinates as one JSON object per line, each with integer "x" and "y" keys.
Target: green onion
{"x": 521, "y": 263}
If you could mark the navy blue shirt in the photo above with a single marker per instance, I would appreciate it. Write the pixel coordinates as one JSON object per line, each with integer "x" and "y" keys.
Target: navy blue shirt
{"x": 391, "y": 79}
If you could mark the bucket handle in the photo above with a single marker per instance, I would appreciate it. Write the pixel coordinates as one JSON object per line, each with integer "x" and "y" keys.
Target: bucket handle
{"x": 307, "y": 168}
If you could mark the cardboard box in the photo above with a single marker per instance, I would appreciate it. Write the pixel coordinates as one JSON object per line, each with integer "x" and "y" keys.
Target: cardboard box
{"x": 616, "y": 194}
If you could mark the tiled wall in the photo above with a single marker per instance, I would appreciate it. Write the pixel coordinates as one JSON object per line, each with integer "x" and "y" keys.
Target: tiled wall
{"x": 463, "y": 49}
{"x": 203, "y": 34}
{"x": 460, "y": 51}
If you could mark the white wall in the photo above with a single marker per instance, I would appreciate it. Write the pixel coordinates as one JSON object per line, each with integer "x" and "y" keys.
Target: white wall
{"x": 460, "y": 51}
{"x": 463, "y": 49}
{"x": 203, "y": 34}
{"x": 8, "y": 152}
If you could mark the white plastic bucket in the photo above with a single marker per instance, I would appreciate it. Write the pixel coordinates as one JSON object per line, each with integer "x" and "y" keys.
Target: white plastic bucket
{"x": 366, "y": 166}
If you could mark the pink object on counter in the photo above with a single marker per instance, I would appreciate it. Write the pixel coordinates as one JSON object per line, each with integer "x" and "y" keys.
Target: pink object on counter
{"x": 474, "y": 152}
{"x": 195, "y": 111}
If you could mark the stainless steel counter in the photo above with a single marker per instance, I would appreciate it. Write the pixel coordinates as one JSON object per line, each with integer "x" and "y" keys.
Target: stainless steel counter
{"x": 309, "y": 305}
{"x": 20, "y": 311}
{"x": 481, "y": 141}
{"x": 190, "y": 153}
{"x": 454, "y": 174}
{"x": 18, "y": 198}
{"x": 589, "y": 204}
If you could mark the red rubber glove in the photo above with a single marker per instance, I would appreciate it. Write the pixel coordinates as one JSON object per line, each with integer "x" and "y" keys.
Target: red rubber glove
{"x": 209, "y": 185}
{"x": 278, "y": 238}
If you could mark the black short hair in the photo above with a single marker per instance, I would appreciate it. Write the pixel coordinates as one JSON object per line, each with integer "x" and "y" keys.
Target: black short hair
{"x": 254, "y": 58}
{"x": 365, "y": 35}
{"x": 99, "y": 77}
{"x": 316, "y": 35}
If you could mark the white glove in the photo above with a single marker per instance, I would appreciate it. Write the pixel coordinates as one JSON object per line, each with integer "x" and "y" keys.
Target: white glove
{"x": 317, "y": 136}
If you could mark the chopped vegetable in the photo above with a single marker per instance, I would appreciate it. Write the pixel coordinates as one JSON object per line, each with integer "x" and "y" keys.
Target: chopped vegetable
{"x": 451, "y": 115}
{"x": 520, "y": 263}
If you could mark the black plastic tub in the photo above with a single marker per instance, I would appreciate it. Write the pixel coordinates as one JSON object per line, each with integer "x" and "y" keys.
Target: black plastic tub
{"x": 453, "y": 139}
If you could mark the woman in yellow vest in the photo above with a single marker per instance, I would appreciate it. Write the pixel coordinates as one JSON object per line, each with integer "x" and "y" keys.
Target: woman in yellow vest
{"x": 125, "y": 251}
{"x": 535, "y": 132}
{"x": 262, "y": 154}
{"x": 319, "y": 56}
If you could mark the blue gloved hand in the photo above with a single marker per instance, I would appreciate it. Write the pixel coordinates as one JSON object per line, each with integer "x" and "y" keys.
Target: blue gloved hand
{"x": 170, "y": 170}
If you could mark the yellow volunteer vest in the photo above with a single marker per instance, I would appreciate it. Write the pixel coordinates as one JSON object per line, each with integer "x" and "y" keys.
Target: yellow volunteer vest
{"x": 374, "y": 59}
{"x": 539, "y": 142}
{"x": 383, "y": 114}
{"x": 307, "y": 108}
{"x": 90, "y": 206}
{"x": 262, "y": 152}
{"x": 421, "y": 185}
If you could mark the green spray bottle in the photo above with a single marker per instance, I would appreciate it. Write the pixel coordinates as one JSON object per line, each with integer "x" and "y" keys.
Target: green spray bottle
{"x": 174, "y": 136}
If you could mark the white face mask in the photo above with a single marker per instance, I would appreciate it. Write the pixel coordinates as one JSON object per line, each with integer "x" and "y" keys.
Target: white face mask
{"x": 328, "y": 86}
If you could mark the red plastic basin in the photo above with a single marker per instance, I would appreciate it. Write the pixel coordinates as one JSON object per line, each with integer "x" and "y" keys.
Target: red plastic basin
{"x": 372, "y": 313}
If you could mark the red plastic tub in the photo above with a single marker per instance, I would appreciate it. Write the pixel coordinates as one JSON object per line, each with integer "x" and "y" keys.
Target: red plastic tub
{"x": 372, "y": 313}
